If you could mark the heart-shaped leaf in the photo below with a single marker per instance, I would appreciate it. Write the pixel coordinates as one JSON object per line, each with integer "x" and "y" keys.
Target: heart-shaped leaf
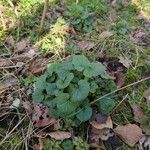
{"x": 106, "y": 105}
{"x": 80, "y": 93}
{"x": 85, "y": 114}
{"x": 51, "y": 88}
{"x": 61, "y": 84}
{"x": 80, "y": 62}
{"x": 95, "y": 69}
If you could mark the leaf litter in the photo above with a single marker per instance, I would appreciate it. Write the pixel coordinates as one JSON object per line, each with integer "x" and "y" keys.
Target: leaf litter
{"x": 129, "y": 133}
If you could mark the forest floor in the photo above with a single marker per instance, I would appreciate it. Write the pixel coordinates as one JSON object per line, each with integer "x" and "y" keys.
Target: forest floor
{"x": 115, "y": 33}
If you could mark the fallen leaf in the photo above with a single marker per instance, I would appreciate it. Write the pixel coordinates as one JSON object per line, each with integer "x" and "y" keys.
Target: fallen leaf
{"x": 138, "y": 112}
{"x": 60, "y": 135}
{"x": 105, "y": 34}
{"x": 144, "y": 143}
{"x": 120, "y": 80}
{"x": 40, "y": 116}
{"x": 102, "y": 134}
{"x": 101, "y": 121}
{"x": 36, "y": 67}
{"x": 129, "y": 133}
{"x": 140, "y": 37}
{"x": 85, "y": 45}
{"x": 21, "y": 45}
{"x": 28, "y": 107}
{"x": 8, "y": 82}
{"x": 147, "y": 95}
{"x": 125, "y": 62}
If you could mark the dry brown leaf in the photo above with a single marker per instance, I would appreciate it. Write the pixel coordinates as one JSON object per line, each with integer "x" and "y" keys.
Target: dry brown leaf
{"x": 7, "y": 82}
{"x": 21, "y": 45}
{"x": 129, "y": 133}
{"x": 28, "y": 107}
{"x": 105, "y": 34}
{"x": 138, "y": 112}
{"x": 102, "y": 134}
{"x": 60, "y": 135}
{"x": 147, "y": 95}
{"x": 102, "y": 124}
{"x": 125, "y": 62}
{"x": 40, "y": 116}
{"x": 85, "y": 45}
{"x": 120, "y": 80}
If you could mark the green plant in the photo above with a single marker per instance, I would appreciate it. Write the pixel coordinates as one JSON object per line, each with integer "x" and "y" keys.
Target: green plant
{"x": 52, "y": 144}
{"x": 80, "y": 144}
{"x": 55, "y": 40}
{"x": 81, "y": 17}
{"x": 120, "y": 27}
{"x": 67, "y": 145}
{"x": 67, "y": 88}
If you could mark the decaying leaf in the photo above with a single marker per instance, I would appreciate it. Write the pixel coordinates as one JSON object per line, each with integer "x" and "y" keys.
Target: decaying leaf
{"x": 60, "y": 135}
{"x": 138, "y": 113}
{"x": 147, "y": 95}
{"x": 101, "y": 122}
{"x": 85, "y": 45}
{"x": 28, "y": 107}
{"x": 129, "y": 133}
{"x": 105, "y": 34}
{"x": 21, "y": 45}
{"x": 125, "y": 62}
{"x": 40, "y": 116}
{"x": 102, "y": 134}
{"x": 120, "y": 80}
{"x": 8, "y": 82}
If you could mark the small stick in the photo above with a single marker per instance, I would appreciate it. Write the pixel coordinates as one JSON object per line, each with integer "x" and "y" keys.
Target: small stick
{"x": 43, "y": 15}
{"x": 2, "y": 20}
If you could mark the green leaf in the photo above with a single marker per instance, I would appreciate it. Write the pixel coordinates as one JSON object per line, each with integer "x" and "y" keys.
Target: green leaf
{"x": 93, "y": 87}
{"x": 38, "y": 96}
{"x": 52, "y": 68}
{"x": 61, "y": 84}
{"x": 85, "y": 114}
{"x": 51, "y": 88}
{"x": 106, "y": 105}
{"x": 96, "y": 69}
{"x": 50, "y": 102}
{"x": 66, "y": 108}
{"x": 80, "y": 62}
{"x": 62, "y": 98}
{"x": 67, "y": 145}
{"x": 80, "y": 93}
{"x": 40, "y": 83}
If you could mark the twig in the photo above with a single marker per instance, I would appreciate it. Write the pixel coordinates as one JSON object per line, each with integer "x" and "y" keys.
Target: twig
{"x": 2, "y": 20}
{"x": 43, "y": 15}
{"x": 134, "y": 83}
{"x": 7, "y": 136}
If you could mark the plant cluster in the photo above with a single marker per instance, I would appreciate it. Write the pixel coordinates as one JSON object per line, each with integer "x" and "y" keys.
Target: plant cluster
{"x": 68, "y": 88}
{"x": 121, "y": 27}
{"x": 82, "y": 14}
